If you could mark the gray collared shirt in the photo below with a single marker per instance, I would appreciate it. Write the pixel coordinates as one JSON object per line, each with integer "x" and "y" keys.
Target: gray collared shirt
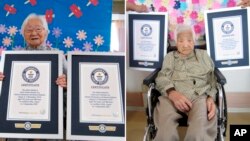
{"x": 192, "y": 76}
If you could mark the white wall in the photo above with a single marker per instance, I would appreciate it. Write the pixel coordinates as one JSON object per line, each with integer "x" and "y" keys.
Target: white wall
{"x": 237, "y": 80}
{"x": 135, "y": 79}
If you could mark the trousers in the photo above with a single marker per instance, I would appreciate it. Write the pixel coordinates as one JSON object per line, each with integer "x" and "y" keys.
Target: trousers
{"x": 199, "y": 127}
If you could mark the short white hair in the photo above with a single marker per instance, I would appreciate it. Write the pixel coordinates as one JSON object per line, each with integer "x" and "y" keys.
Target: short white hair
{"x": 35, "y": 16}
{"x": 181, "y": 28}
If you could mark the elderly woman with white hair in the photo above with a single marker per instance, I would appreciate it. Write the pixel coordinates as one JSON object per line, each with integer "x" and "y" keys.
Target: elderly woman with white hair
{"x": 35, "y": 32}
{"x": 187, "y": 84}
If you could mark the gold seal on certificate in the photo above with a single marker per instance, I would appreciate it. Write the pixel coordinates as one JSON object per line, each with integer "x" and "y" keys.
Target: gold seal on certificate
{"x": 100, "y": 99}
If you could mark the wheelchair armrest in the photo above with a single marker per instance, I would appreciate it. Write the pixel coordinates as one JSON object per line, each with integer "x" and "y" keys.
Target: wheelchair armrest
{"x": 220, "y": 77}
{"x": 151, "y": 77}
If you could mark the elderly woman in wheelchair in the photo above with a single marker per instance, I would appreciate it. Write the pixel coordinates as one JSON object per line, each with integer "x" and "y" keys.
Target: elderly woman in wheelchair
{"x": 188, "y": 86}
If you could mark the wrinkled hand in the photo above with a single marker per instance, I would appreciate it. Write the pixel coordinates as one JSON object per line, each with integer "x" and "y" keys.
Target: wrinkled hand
{"x": 244, "y": 3}
{"x": 141, "y": 8}
{"x": 1, "y": 76}
{"x": 211, "y": 108}
{"x": 62, "y": 81}
{"x": 180, "y": 101}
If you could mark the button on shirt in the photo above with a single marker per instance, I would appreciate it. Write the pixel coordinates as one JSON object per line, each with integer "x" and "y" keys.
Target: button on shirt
{"x": 192, "y": 75}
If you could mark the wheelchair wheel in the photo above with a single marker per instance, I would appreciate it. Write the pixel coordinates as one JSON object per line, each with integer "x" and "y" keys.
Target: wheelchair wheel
{"x": 222, "y": 128}
{"x": 220, "y": 136}
{"x": 149, "y": 133}
{"x": 225, "y": 116}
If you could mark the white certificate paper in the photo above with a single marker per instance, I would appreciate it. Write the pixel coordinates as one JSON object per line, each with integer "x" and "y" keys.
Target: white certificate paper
{"x": 100, "y": 93}
{"x": 29, "y": 93}
{"x": 228, "y": 41}
{"x": 146, "y": 37}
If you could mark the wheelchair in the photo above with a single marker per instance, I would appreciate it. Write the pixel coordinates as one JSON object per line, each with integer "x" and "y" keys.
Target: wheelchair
{"x": 152, "y": 99}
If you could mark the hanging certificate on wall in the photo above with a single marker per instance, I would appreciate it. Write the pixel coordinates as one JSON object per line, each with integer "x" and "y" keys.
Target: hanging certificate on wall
{"x": 28, "y": 92}
{"x": 147, "y": 39}
{"x": 227, "y": 35}
{"x": 96, "y": 84}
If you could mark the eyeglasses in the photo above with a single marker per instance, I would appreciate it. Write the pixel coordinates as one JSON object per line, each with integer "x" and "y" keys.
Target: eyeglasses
{"x": 37, "y": 29}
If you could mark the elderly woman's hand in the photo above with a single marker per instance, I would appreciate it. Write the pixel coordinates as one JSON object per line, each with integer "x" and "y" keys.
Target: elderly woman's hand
{"x": 135, "y": 7}
{"x": 1, "y": 76}
{"x": 211, "y": 108}
{"x": 180, "y": 101}
{"x": 244, "y": 3}
{"x": 62, "y": 81}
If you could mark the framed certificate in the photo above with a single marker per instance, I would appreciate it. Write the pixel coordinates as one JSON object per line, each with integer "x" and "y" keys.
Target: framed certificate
{"x": 28, "y": 92}
{"x": 95, "y": 99}
{"x": 227, "y": 37}
{"x": 147, "y": 39}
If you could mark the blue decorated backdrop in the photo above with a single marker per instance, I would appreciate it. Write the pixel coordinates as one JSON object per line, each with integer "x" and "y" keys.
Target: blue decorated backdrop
{"x": 82, "y": 25}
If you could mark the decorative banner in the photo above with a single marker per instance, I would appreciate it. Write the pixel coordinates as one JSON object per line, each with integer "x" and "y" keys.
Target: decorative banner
{"x": 79, "y": 25}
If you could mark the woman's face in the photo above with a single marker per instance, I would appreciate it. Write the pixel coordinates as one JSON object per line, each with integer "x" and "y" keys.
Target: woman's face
{"x": 185, "y": 43}
{"x": 34, "y": 33}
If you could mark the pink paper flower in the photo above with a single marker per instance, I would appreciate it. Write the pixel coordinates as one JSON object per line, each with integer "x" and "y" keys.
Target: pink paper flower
{"x": 87, "y": 46}
{"x": 193, "y": 15}
{"x": 197, "y": 29}
{"x": 6, "y": 41}
{"x": 98, "y": 40}
{"x": 216, "y": 5}
{"x": 12, "y": 30}
{"x": 180, "y": 19}
{"x": 157, "y": 4}
{"x": 81, "y": 35}
{"x": 56, "y": 32}
{"x": 162, "y": 9}
{"x": 195, "y": 1}
{"x": 231, "y": 3}
{"x": 2, "y": 28}
{"x": 68, "y": 42}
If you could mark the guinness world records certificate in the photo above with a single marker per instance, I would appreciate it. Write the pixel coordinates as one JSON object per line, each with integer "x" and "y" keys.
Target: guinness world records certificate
{"x": 146, "y": 40}
{"x": 29, "y": 94}
{"x": 227, "y": 37}
{"x": 31, "y": 103}
{"x": 99, "y": 95}
{"x": 229, "y": 41}
{"x": 96, "y": 96}
{"x": 147, "y": 36}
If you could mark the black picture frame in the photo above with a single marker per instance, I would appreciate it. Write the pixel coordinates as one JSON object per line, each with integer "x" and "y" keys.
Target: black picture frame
{"x": 214, "y": 37}
{"x": 50, "y": 129}
{"x": 81, "y": 130}
{"x": 153, "y": 45}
